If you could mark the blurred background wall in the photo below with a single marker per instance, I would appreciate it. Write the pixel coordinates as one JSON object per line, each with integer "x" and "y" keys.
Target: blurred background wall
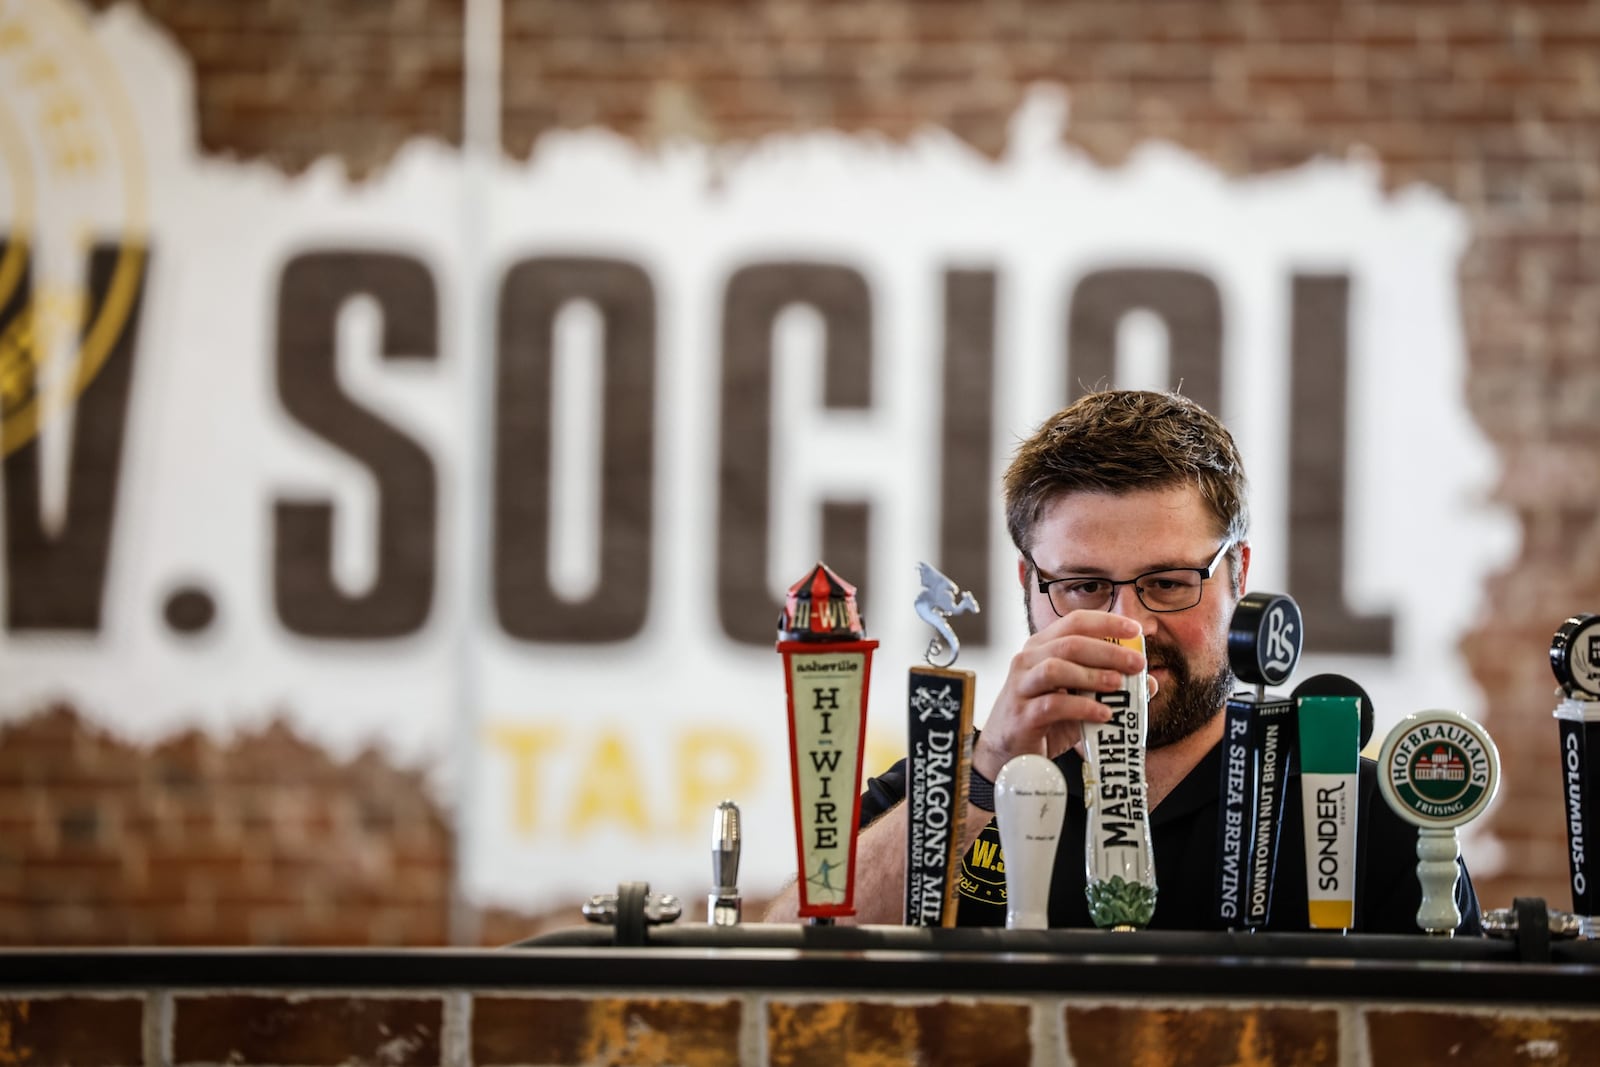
{"x": 221, "y": 825}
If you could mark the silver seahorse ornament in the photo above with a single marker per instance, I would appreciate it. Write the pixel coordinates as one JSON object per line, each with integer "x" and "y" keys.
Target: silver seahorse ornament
{"x": 939, "y": 599}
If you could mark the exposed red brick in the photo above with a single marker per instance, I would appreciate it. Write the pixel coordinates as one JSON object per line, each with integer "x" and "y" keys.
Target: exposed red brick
{"x": 72, "y": 1031}
{"x": 263, "y": 841}
{"x": 292, "y": 82}
{"x": 622, "y": 1031}
{"x": 1470, "y": 1039}
{"x": 1172, "y": 1037}
{"x": 311, "y": 1031}
{"x": 859, "y": 1033}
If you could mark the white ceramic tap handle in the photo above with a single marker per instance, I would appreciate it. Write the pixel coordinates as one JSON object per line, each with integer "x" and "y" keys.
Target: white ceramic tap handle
{"x": 1030, "y": 802}
{"x": 1438, "y": 770}
{"x": 1437, "y": 852}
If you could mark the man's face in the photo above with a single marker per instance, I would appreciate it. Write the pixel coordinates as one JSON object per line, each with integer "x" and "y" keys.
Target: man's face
{"x": 1120, "y": 536}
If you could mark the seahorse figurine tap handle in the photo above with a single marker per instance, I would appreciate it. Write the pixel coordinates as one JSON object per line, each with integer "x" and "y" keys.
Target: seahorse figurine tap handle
{"x": 941, "y": 598}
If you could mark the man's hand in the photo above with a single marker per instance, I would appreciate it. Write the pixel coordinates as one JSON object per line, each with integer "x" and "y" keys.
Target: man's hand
{"x": 1037, "y": 710}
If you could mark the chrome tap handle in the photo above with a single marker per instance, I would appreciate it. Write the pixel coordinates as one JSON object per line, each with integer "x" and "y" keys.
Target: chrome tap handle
{"x": 723, "y": 907}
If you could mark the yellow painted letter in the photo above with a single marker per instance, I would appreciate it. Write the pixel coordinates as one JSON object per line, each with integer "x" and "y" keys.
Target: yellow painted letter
{"x": 524, "y": 746}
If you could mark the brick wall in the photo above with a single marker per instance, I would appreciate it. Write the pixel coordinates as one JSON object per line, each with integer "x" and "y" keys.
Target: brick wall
{"x": 1496, "y": 104}
{"x": 289, "y": 82}
{"x": 262, "y": 840}
{"x": 424, "y": 1028}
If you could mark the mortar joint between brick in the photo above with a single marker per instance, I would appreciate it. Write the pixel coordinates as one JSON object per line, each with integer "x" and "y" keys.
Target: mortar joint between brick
{"x": 158, "y": 1029}
{"x": 455, "y": 1038}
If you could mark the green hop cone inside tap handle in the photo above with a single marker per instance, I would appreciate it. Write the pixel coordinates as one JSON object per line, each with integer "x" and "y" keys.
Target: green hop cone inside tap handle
{"x": 1119, "y": 902}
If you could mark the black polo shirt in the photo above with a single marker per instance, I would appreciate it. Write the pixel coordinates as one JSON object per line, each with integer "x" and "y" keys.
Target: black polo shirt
{"x": 1183, "y": 832}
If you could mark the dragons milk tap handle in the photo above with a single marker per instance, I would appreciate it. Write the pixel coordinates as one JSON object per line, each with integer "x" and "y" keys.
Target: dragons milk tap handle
{"x": 938, "y": 756}
{"x": 1119, "y": 864}
{"x": 1438, "y": 770}
{"x": 827, "y": 671}
{"x": 1575, "y": 659}
{"x": 1030, "y": 803}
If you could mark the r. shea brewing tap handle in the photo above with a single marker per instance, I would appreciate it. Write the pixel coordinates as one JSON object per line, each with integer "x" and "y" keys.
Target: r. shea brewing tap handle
{"x": 723, "y": 906}
{"x": 1264, "y": 641}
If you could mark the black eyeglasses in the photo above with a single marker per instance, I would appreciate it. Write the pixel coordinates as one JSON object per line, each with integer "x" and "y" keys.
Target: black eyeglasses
{"x": 1174, "y": 589}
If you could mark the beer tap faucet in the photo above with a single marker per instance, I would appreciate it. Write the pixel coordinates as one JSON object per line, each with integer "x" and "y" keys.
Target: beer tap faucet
{"x": 723, "y": 906}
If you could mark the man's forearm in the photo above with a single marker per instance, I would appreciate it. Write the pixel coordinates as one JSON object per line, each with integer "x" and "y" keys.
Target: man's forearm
{"x": 881, "y": 869}
{"x": 880, "y": 875}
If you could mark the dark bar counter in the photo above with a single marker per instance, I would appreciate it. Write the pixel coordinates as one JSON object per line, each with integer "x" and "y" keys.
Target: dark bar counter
{"x": 791, "y": 994}
{"x": 879, "y": 958}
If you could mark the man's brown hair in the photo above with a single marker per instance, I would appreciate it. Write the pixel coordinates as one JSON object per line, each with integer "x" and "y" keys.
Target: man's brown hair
{"x": 1119, "y": 441}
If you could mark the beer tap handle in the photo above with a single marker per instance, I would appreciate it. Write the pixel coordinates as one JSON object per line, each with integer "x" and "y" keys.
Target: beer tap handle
{"x": 723, "y": 905}
{"x": 1437, "y": 853}
{"x": 1438, "y": 770}
{"x": 1030, "y": 802}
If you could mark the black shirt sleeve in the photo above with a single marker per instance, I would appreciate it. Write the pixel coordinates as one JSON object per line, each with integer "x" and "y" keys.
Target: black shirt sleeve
{"x": 883, "y": 793}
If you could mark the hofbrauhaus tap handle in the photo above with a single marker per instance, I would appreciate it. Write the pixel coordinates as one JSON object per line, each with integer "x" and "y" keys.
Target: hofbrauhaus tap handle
{"x": 1438, "y": 770}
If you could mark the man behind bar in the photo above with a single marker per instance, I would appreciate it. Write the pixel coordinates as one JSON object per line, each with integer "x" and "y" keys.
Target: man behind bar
{"x": 1102, "y": 501}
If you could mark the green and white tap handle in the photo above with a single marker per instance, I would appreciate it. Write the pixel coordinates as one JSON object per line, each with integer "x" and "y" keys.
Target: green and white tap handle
{"x": 1438, "y": 770}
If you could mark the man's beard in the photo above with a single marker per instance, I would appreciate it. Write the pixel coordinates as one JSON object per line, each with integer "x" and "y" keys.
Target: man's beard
{"x": 1186, "y": 704}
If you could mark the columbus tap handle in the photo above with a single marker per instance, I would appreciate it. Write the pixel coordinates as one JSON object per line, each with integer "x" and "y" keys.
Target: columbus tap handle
{"x": 723, "y": 906}
{"x": 1575, "y": 659}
